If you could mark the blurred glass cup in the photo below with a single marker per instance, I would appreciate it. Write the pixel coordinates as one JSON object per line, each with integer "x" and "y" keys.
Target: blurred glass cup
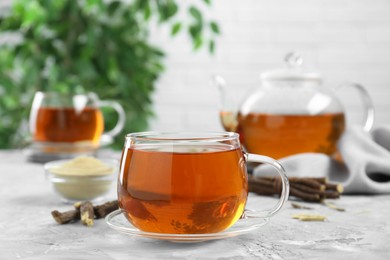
{"x": 71, "y": 123}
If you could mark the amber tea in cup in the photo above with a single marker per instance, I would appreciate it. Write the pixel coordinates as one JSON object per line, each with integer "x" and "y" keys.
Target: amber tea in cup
{"x": 186, "y": 183}
{"x": 54, "y": 124}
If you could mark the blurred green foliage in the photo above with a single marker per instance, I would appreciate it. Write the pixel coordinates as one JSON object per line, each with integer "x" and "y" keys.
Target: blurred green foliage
{"x": 89, "y": 45}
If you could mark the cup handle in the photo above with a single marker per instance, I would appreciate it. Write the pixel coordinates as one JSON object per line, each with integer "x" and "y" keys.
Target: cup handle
{"x": 367, "y": 103}
{"x": 121, "y": 117}
{"x": 284, "y": 183}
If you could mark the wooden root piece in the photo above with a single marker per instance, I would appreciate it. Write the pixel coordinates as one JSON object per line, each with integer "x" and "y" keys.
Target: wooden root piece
{"x": 100, "y": 211}
{"x": 336, "y": 187}
{"x": 66, "y": 217}
{"x": 309, "y": 217}
{"x": 332, "y": 206}
{"x": 307, "y": 189}
{"x": 86, "y": 213}
{"x": 103, "y": 210}
{"x": 299, "y": 206}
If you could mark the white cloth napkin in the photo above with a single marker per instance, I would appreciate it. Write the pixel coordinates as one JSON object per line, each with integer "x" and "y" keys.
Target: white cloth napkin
{"x": 366, "y": 167}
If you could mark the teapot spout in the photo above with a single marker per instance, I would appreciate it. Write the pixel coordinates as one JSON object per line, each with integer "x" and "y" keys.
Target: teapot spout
{"x": 227, "y": 114}
{"x": 228, "y": 120}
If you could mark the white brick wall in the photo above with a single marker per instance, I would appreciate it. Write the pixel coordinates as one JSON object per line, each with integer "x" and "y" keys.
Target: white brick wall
{"x": 346, "y": 40}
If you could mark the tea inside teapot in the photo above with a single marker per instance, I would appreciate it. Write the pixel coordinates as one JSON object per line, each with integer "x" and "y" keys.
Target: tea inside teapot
{"x": 289, "y": 113}
{"x": 282, "y": 135}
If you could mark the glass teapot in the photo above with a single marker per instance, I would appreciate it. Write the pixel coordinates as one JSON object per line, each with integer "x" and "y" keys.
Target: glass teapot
{"x": 291, "y": 112}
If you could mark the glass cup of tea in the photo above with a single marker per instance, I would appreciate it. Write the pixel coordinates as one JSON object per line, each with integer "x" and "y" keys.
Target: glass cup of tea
{"x": 188, "y": 183}
{"x": 71, "y": 123}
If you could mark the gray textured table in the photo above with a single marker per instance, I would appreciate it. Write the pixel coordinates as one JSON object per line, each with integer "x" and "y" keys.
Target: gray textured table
{"x": 27, "y": 230}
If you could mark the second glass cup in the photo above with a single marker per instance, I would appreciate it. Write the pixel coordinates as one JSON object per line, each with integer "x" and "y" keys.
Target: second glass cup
{"x": 70, "y": 123}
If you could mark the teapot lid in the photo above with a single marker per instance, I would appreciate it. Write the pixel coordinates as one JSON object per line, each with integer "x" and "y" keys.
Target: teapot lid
{"x": 293, "y": 71}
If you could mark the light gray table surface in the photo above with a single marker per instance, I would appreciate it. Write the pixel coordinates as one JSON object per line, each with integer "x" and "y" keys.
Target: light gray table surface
{"x": 27, "y": 230}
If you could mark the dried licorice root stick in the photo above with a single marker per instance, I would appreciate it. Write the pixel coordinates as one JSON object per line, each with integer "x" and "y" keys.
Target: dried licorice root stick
{"x": 103, "y": 210}
{"x": 66, "y": 217}
{"x": 305, "y": 188}
{"x": 70, "y": 216}
{"x": 309, "y": 217}
{"x": 86, "y": 213}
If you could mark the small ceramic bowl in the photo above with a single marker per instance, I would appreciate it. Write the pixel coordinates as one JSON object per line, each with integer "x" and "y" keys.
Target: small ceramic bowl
{"x": 74, "y": 186}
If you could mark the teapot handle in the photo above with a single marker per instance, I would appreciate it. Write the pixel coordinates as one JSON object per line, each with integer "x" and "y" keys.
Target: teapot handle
{"x": 367, "y": 102}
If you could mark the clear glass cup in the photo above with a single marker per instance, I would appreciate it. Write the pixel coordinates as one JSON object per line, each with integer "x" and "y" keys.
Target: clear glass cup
{"x": 188, "y": 183}
{"x": 71, "y": 123}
